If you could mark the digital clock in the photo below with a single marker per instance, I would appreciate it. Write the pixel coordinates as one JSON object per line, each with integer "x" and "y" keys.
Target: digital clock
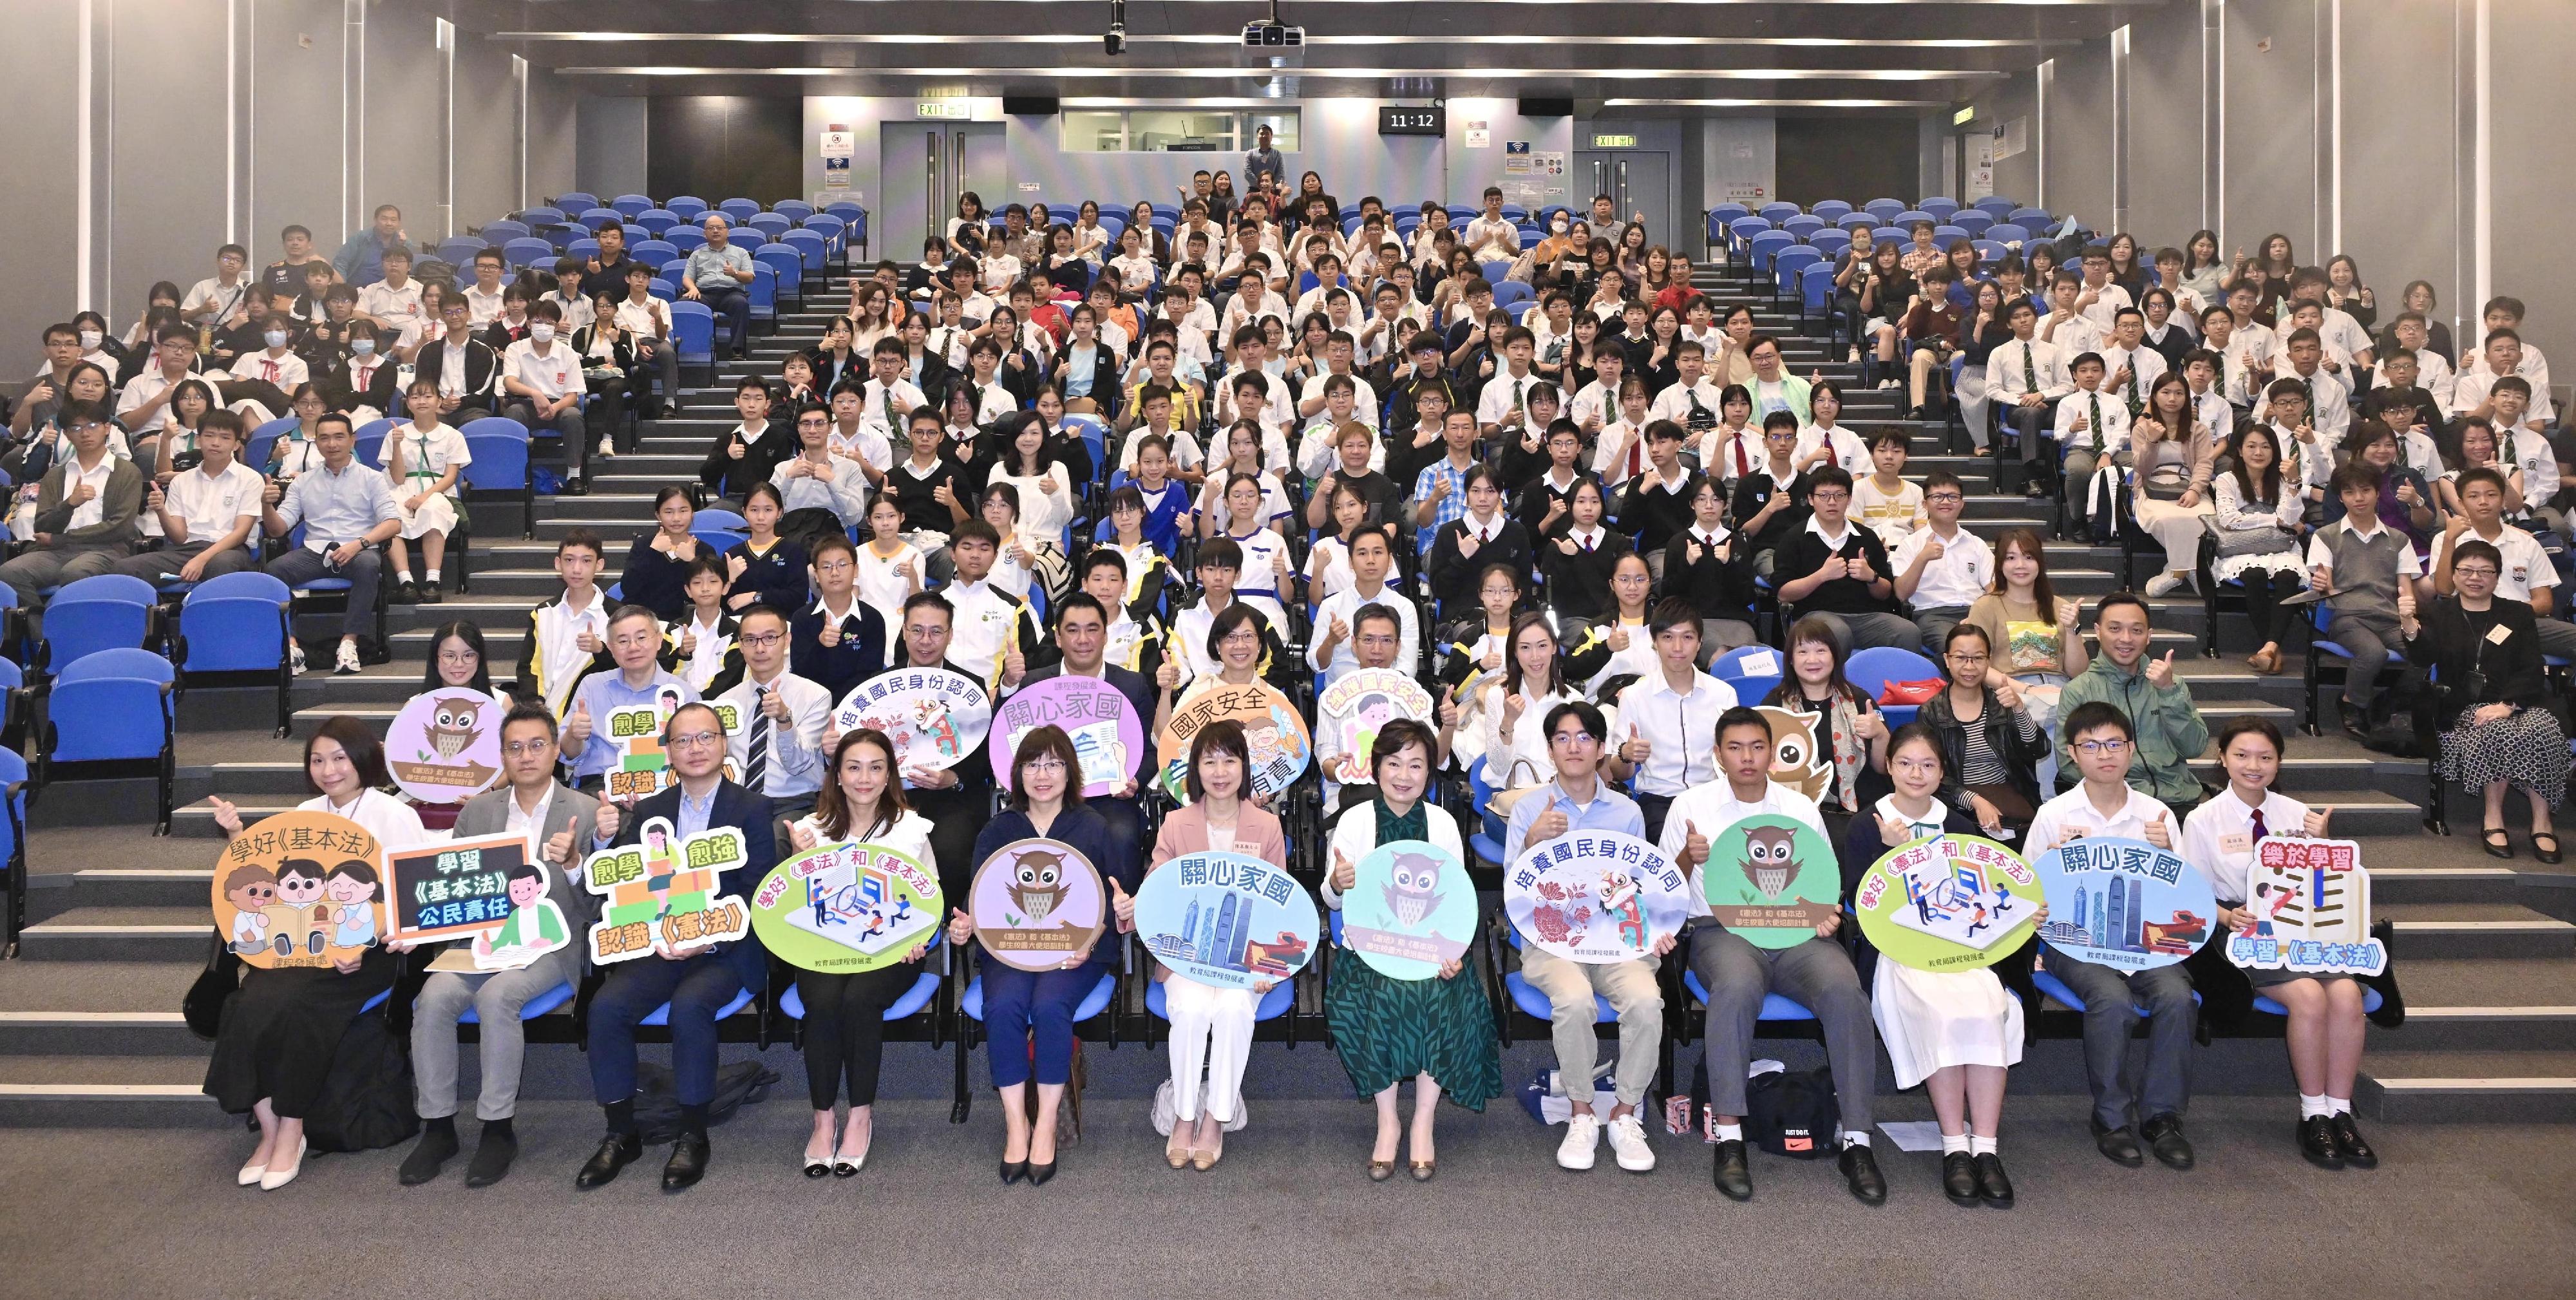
{"x": 1394, "y": 120}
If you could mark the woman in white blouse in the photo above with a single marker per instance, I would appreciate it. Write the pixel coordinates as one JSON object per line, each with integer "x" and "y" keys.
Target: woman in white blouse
{"x": 2326, "y": 1026}
{"x": 2260, "y": 515}
{"x": 845, "y": 1013}
{"x": 1512, "y": 702}
{"x": 281, "y": 1027}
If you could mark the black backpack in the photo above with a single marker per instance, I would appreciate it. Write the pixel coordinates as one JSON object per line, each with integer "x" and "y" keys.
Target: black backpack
{"x": 1791, "y": 1113}
{"x": 657, "y": 1099}
{"x": 366, "y": 1103}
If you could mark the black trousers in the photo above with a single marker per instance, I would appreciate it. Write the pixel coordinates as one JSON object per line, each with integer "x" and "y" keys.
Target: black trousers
{"x": 845, "y": 1028}
{"x": 2264, "y": 593}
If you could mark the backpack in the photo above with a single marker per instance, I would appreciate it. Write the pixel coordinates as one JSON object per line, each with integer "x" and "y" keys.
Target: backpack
{"x": 657, "y": 1099}
{"x": 366, "y": 1102}
{"x": 1791, "y": 1113}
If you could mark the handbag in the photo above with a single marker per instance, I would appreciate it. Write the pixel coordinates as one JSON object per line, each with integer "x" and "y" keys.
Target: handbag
{"x": 1914, "y": 692}
{"x": 2165, "y": 483}
{"x": 203, "y": 1005}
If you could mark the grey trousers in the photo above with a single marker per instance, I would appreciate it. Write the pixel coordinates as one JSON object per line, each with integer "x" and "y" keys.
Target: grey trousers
{"x": 496, "y": 1000}
{"x": 37, "y": 570}
{"x": 152, "y": 565}
{"x": 2111, "y": 1002}
{"x": 1861, "y": 631}
{"x": 1719, "y": 635}
{"x": 2371, "y": 637}
{"x": 1935, "y": 624}
{"x": 2557, "y": 637}
{"x": 1817, "y": 975}
{"x": 1633, "y": 993}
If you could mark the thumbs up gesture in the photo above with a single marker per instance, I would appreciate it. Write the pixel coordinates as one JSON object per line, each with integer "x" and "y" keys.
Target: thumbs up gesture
{"x": 559, "y": 848}
{"x": 607, "y": 820}
{"x": 1637, "y": 749}
{"x": 961, "y": 927}
{"x": 1124, "y": 905}
{"x": 1893, "y": 831}
{"x": 1694, "y": 846}
{"x": 576, "y": 728}
{"x": 1344, "y": 874}
{"x": 2160, "y": 672}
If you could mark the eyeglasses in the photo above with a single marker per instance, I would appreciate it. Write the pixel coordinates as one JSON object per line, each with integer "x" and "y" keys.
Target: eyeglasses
{"x": 697, "y": 740}
{"x": 1571, "y": 738}
{"x": 1049, "y": 765}
{"x": 1829, "y": 495}
{"x": 527, "y": 748}
{"x": 2101, "y": 748}
{"x": 764, "y": 639}
{"x": 1967, "y": 656}
{"x": 1943, "y": 497}
{"x": 2471, "y": 571}
{"x": 1240, "y": 636}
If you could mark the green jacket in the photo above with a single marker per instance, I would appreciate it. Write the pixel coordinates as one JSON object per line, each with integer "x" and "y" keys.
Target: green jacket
{"x": 2170, "y": 730}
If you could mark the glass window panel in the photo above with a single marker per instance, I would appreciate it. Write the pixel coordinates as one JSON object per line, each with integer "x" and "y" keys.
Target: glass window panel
{"x": 1092, "y": 132}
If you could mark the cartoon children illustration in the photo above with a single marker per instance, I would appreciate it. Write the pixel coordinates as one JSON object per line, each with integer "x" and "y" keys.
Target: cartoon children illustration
{"x": 661, "y": 864}
{"x": 299, "y": 917}
{"x": 351, "y": 887}
{"x": 250, "y": 889}
{"x": 535, "y": 926}
{"x": 2269, "y": 900}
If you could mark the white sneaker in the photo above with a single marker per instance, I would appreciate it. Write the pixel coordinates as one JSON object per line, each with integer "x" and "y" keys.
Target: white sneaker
{"x": 1886, "y": 384}
{"x": 1582, "y": 1138}
{"x": 1854, "y": 358}
{"x": 347, "y": 661}
{"x": 607, "y": 445}
{"x": 1628, "y": 1144}
{"x": 2163, "y": 584}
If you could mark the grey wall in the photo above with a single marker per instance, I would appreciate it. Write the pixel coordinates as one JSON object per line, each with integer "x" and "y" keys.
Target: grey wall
{"x": 609, "y": 144}
{"x": 2532, "y": 153}
{"x": 324, "y": 120}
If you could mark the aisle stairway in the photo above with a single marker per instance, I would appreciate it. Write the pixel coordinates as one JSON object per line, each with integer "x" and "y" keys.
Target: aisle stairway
{"x": 89, "y": 1022}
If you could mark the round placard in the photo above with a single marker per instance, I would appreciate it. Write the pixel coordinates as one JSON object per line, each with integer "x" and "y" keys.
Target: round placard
{"x": 934, "y": 716}
{"x": 1350, "y": 711}
{"x": 1410, "y": 908}
{"x": 842, "y": 908}
{"x": 1037, "y": 902}
{"x": 1772, "y": 880}
{"x": 2125, "y": 904}
{"x": 1107, "y": 734}
{"x": 1947, "y": 903}
{"x": 1595, "y": 896}
{"x": 445, "y": 745}
{"x": 300, "y": 888}
{"x": 1226, "y": 919}
{"x": 1281, "y": 745}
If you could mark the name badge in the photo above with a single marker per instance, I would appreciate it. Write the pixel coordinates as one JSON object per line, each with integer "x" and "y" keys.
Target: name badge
{"x": 2240, "y": 842}
{"x": 2499, "y": 634}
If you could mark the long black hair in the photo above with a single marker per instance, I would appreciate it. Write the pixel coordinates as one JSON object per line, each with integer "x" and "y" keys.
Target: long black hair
{"x": 472, "y": 635}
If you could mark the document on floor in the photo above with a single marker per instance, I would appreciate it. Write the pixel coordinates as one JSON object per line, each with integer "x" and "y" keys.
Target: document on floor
{"x": 1912, "y": 1134}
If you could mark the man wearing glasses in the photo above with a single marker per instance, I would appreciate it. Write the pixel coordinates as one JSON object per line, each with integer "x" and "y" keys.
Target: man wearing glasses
{"x": 1943, "y": 568}
{"x": 2165, "y": 725}
{"x": 2100, "y": 743}
{"x": 697, "y": 985}
{"x": 777, "y": 742}
{"x": 635, "y": 645}
{"x": 1578, "y": 800}
{"x": 1841, "y": 570}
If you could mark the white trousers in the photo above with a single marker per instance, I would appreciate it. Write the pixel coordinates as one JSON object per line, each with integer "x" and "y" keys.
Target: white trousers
{"x": 1211, "y": 1029}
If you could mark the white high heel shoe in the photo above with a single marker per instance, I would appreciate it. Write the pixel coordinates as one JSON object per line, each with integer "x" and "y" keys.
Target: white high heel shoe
{"x": 271, "y": 1180}
{"x": 249, "y": 1175}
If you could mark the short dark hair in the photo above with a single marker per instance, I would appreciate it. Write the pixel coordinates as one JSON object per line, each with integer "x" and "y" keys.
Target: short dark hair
{"x": 2245, "y": 724}
{"x": 530, "y": 711}
{"x": 1581, "y": 711}
{"x": 2129, "y": 598}
{"x": 2093, "y": 715}
{"x": 1741, "y": 716}
{"x": 582, "y": 537}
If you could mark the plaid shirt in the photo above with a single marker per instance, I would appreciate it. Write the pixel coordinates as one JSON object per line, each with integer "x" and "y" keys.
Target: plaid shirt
{"x": 1427, "y": 484}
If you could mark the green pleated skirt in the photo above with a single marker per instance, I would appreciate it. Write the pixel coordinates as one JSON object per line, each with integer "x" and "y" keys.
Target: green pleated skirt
{"x": 1389, "y": 1030}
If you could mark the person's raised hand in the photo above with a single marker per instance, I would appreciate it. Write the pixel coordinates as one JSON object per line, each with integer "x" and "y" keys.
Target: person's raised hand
{"x": 2160, "y": 672}
{"x": 577, "y": 725}
{"x": 1123, "y": 905}
{"x": 608, "y": 819}
{"x": 1344, "y": 873}
{"x": 227, "y": 814}
{"x": 1694, "y": 845}
{"x": 2158, "y": 834}
{"x": 961, "y": 927}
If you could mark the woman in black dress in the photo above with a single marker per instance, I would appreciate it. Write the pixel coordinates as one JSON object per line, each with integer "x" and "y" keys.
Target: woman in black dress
{"x": 2484, "y": 653}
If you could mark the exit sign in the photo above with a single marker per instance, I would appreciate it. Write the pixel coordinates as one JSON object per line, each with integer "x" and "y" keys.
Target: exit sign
{"x": 1614, "y": 142}
{"x": 954, "y": 108}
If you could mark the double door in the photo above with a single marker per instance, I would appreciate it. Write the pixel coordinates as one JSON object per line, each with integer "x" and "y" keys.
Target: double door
{"x": 923, "y": 166}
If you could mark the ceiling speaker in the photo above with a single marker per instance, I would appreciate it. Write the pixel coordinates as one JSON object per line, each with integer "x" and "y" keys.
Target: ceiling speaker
{"x": 1546, "y": 107}
{"x": 1029, "y": 106}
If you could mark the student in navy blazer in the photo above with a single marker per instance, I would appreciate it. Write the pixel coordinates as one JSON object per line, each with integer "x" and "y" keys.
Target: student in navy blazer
{"x": 696, "y": 986}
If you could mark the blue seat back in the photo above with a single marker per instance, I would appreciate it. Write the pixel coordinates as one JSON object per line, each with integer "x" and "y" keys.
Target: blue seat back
{"x": 718, "y": 517}
{"x": 1764, "y": 246}
{"x": 495, "y": 425}
{"x": 738, "y": 210}
{"x": 1831, "y": 209}
{"x": 655, "y": 253}
{"x": 2005, "y": 232}
{"x": 503, "y": 231}
{"x": 1816, "y": 285}
{"x": 693, "y": 330}
{"x": 1941, "y": 209}
{"x": 1884, "y": 210}
{"x": 687, "y": 239}
{"x": 631, "y": 204}
{"x": 793, "y": 209}
{"x": 813, "y": 246}
{"x": 235, "y": 626}
{"x": 500, "y": 462}
{"x": 687, "y": 206}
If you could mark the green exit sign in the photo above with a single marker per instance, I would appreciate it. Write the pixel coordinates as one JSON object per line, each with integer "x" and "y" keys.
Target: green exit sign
{"x": 1614, "y": 142}
{"x": 956, "y": 108}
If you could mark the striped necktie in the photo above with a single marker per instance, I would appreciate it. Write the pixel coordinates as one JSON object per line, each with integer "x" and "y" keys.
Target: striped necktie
{"x": 755, "y": 768}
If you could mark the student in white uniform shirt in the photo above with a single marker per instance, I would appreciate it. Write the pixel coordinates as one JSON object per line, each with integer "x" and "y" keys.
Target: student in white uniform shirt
{"x": 206, "y": 513}
{"x": 1336, "y": 620}
{"x": 483, "y": 297}
{"x": 1941, "y": 568}
{"x": 2329, "y": 397}
{"x": 1619, "y": 448}
{"x": 213, "y": 299}
{"x": 1884, "y": 500}
{"x": 886, "y": 398}
{"x": 422, "y": 461}
{"x": 2092, "y": 433}
{"x": 2098, "y": 298}
{"x": 1668, "y": 718}
{"x": 704, "y": 639}
{"x": 777, "y": 744}
{"x": 2503, "y": 355}
{"x": 1691, "y": 400}
{"x": 2104, "y": 805}
{"x": 2064, "y": 327}
{"x": 1816, "y": 973}
{"x": 994, "y": 632}
{"x": 2025, "y": 378}
{"x": 544, "y": 380}
{"x": 393, "y": 304}
{"x": 2131, "y": 367}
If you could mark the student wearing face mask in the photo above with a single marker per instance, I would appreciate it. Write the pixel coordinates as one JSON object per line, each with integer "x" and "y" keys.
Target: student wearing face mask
{"x": 543, "y": 377}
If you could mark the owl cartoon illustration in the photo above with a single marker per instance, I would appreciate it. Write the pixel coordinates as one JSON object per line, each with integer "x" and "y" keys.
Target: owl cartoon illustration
{"x": 1798, "y": 760}
{"x": 1412, "y": 888}
{"x": 1037, "y": 884}
{"x": 1770, "y": 858}
{"x": 451, "y": 725}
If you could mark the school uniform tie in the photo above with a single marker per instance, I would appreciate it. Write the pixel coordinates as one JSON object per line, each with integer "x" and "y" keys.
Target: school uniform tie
{"x": 887, "y": 397}
{"x": 1743, "y": 463}
{"x": 755, "y": 768}
{"x": 2029, "y": 374}
{"x": 2093, "y": 403}
{"x": 2259, "y": 830}
{"x": 1519, "y": 411}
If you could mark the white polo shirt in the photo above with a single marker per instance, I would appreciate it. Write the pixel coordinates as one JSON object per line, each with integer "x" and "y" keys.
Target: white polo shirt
{"x": 1963, "y": 573}
{"x": 553, "y": 373}
{"x": 2526, "y": 566}
{"x": 211, "y": 505}
{"x": 2072, "y": 813}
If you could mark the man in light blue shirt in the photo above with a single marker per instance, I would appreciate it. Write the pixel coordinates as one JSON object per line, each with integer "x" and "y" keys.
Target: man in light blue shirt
{"x": 719, "y": 275}
{"x": 347, "y": 511}
{"x": 1578, "y": 800}
{"x": 635, "y": 642}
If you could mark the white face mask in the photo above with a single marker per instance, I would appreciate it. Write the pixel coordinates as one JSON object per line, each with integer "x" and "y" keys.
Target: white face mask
{"x": 1560, "y": 226}
{"x": 90, "y": 339}
{"x": 362, "y": 347}
{"x": 542, "y": 332}
{"x": 276, "y": 338}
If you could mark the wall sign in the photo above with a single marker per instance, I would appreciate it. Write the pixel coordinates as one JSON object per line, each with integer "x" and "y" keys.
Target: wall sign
{"x": 1614, "y": 142}
{"x": 956, "y": 109}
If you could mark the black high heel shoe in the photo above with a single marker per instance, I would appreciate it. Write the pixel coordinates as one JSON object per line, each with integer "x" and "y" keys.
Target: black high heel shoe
{"x": 1013, "y": 1171}
{"x": 1040, "y": 1173}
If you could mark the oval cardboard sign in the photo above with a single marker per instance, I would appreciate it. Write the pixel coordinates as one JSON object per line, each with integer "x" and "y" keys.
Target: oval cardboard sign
{"x": 1947, "y": 902}
{"x": 1107, "y": 734}
{"x": 1281, "y": 745}
{"x": 2125, "y": 904}
{"x": 1410, "y": 909}
{"x": 841, "y": 908}
{"x": 1226, "y": 919}
{"x": 934, "y": 717}
{"x": 445, "y": 745}
{"x": 299, "y": 888}
{"x": 1595, "y": 897}
{"x": 1037, "y": 902}
{"x": 1351, "y": 710}
{"x": 1772, "y": 880}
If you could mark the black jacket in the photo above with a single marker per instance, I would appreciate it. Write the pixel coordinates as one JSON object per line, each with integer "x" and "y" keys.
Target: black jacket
{"x": 860, "y": 655}
{"x": 2003, "y": 739}
{"x": 482, "y": 366}
{"x": 776, "y": 577}
{"x": 725, "y": 476}
{"x": 1453, "y": 576}
{"x": 1578, "y": 585}
{"x": 2469, "y": 668}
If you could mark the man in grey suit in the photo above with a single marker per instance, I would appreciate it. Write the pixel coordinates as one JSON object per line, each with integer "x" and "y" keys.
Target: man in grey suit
{"x": 561, "y": 824}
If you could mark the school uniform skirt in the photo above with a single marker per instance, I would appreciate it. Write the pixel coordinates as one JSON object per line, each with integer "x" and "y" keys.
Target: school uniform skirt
{"x": 1932, "y": 1020}
{"x": 436, "y": 515}
{"x": 281, "y": 1029}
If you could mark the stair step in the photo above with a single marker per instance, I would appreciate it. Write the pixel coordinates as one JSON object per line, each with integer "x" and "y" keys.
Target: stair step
{"x": 2536, "y": 1087}
{"x": 121, "y": 933}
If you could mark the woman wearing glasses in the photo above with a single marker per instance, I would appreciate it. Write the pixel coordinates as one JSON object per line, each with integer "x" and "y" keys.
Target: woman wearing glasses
{"x": 1990, "y": 746}
{"x": 2484, "y": 650}
{"x": 1028, "y": 1015}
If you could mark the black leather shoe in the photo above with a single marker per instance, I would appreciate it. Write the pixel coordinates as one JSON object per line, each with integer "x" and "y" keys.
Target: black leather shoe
{"x": 1991, "y": 1183}
{"x": 2356, "y": 1152}
{"x": 1733, "y": 1177}
{"x": 437, "y": 1147}
{"x": 1959, "y": 1178}
{"x": 1013, "y": 1171}
{"x": 429, "y": 594}
{"x": 2119, "y": 1144}
{"x": 616, "y": 1151}
{"x": 576, "y": 488}
{"x": 493, "y": 1153}
{"x": 2317, "y": 1142}
{"x": 403, "y": 593}
{"x": 2163, "y": 1135}
{"x": 688, "y": 1163}
{"x": 1860, "y": 1174}
{"x": 1040, "y": 1173}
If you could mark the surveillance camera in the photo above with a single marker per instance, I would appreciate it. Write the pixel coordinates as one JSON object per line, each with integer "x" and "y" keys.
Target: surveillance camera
{"x": 1115, "y": 43}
